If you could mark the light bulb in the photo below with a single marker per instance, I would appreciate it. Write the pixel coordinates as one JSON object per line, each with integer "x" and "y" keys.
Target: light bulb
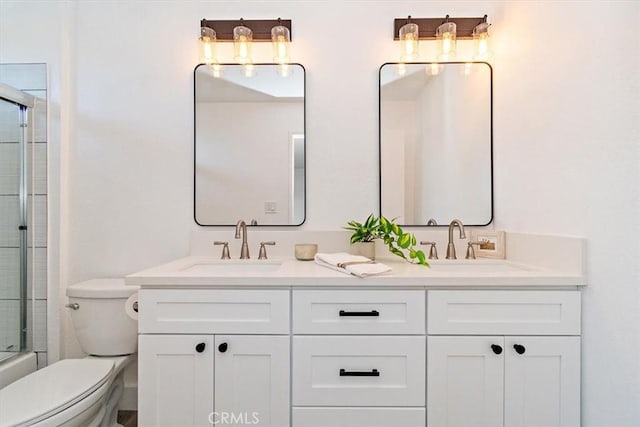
{"x": 446, "y": 44}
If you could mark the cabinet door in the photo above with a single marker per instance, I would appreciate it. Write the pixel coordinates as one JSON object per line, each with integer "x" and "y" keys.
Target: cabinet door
{"x": 252, "y": 379}
{"x": 542, "y": 381}
{"x": 175, "y": 383}
{"x": 465, "y": 381}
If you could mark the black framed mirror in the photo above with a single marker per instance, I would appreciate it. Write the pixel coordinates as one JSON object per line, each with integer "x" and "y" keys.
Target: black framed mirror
{"x": 249, "y": 144}
{"x": 436, "y": 142}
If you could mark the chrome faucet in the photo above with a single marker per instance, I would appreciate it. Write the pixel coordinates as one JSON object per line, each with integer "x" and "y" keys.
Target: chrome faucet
{"x": 241, "y": 228}
{"x": 451, "y": 248}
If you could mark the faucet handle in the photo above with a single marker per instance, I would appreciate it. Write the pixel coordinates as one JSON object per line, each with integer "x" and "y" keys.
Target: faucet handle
{"x": 263, "y": 250}
{"x": 471, "y": 253}
{"x": 433, "y": 252}
{"x": 225, "y": 249}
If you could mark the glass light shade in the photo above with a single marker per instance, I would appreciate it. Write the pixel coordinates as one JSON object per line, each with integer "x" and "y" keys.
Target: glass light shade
{"x": 481, "y": 41}
{"x": 207, "y": 45}
{"x": 242, "y": 37}
{"x": 280, "y": 41}
{"x": 409, "y": 38}
{"x": 446, "y": 36}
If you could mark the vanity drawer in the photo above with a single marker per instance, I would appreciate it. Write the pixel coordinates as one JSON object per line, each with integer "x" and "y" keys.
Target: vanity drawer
{"x": 503, "y": 312}
{"x": 359, "y": 371}
{"x": 358, "y": 312}
{"x": 214, "y": 311}
{"x": 359, "y": 417}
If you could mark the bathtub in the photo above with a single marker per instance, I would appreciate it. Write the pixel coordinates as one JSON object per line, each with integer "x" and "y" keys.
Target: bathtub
{"x": 17, "y": 367}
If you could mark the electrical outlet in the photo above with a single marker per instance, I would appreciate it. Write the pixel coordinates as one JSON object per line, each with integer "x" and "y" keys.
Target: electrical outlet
{"x": 270, "y": 207}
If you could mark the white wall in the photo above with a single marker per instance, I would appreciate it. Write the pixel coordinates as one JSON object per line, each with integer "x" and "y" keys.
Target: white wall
{"x": 566, "y": 137}
{"x": 567, "y": 157}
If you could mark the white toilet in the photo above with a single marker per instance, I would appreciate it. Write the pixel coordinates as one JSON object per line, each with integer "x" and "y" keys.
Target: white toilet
{"x": 80, "y": 392}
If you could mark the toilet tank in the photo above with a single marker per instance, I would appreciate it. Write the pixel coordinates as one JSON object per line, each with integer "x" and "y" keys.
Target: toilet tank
{"x": 100, "y": 319}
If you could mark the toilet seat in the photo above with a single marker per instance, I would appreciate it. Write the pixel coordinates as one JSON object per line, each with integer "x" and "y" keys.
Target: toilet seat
{"x": 51, "y": 390}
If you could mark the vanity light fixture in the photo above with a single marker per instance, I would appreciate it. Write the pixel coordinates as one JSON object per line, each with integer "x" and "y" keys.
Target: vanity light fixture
{"x": 446, "y": 32}
{"x": 243, "y": 33}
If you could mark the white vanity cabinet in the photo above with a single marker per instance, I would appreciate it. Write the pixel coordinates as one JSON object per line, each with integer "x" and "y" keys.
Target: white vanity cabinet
{"x": 230, "y": 366}
{"x": 358, "y": 357}
{"x": 503, "y": 358}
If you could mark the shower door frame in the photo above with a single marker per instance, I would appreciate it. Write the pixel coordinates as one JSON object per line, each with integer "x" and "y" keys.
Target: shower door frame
{"x": 25, "y": 103}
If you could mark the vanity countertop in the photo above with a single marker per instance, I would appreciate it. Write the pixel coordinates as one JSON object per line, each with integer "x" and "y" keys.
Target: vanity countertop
{"x": 203, "y": 272}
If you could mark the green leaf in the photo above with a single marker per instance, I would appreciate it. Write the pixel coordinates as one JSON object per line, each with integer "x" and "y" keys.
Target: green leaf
{"x": 404, "y": 241}
{"x": 421, "y": 258}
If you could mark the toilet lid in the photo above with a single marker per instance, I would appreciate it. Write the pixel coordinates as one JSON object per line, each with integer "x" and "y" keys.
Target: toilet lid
{"x": 52, "y": 389}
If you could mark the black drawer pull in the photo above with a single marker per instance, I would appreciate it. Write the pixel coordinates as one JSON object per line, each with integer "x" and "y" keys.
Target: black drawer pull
{"x": 496, "y": 348}
{"x": 371, "y": 373}
{"x": 372, "y": 313}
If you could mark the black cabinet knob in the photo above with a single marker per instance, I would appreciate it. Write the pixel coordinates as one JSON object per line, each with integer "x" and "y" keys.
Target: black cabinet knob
{"x": 223, "y": 347}
{"x": 200, "y": 347}
{"x": 519, "y": 348}
{"x": 496, "y": 348}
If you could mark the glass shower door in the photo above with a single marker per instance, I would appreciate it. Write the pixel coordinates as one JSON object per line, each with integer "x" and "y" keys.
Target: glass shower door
{"x": 13, "y": 220}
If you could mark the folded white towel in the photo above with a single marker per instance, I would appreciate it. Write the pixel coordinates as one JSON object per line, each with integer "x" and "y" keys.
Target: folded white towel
{"x": 351, "y": 264}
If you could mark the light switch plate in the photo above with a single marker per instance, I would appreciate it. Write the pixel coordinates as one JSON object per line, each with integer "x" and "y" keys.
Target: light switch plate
{"x": 270, "y": 207}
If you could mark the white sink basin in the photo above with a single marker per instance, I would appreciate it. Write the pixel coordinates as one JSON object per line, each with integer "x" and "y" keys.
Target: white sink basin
{"x": 228, "y": 267}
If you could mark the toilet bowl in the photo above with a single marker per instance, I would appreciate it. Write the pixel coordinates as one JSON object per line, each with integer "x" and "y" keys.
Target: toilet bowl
{"x": 80, "y": 392}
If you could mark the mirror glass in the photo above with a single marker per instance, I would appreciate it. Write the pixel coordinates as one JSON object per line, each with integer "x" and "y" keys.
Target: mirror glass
{"x": 436, "y": 142}
{"x": 250, "y": 145}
